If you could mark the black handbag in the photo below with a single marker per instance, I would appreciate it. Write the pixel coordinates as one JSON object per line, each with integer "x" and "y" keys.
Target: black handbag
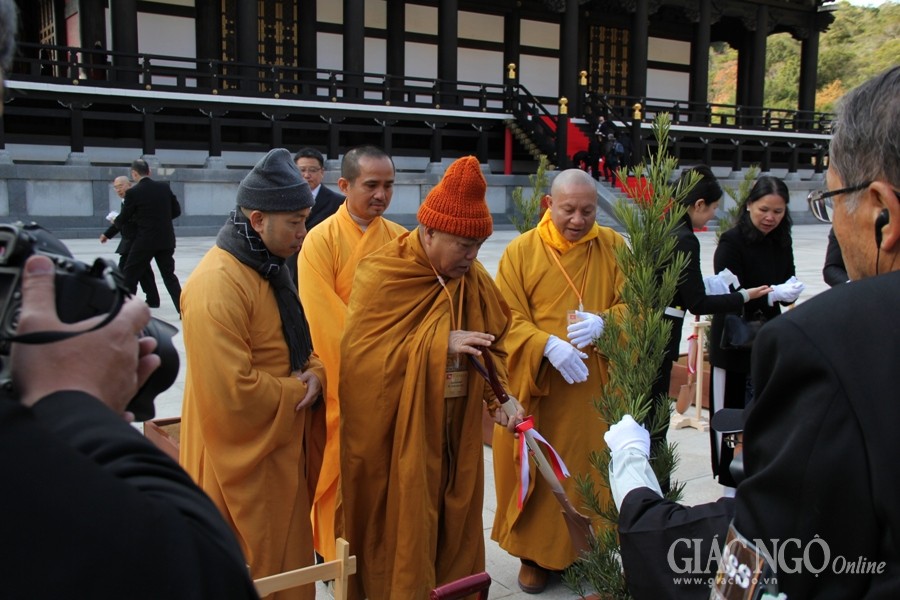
{"x": 739, "y": 332}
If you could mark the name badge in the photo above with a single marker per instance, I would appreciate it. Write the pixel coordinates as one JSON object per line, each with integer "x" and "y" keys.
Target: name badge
{"x": 746, "y": 572}
{"x": 456, "y": 378}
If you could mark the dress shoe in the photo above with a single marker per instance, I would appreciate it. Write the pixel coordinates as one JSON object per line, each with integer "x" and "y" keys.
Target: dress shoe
{"x": 532, "y": 578}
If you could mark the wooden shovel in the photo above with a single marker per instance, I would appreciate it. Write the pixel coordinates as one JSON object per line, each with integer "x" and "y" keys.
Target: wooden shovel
{"x": 579, "y": 526}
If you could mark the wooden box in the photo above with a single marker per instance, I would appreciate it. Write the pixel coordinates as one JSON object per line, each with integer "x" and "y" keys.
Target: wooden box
{"x": 165, "y": 433}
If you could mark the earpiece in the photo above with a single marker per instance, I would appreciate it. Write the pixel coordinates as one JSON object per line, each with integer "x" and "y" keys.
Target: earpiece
{"x": 883, "y": 218}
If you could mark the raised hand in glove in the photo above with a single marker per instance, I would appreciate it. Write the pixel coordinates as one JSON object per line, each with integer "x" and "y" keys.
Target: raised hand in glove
{"x": 585, "y": 331}
{"x": 626, "y": 434}
{"x": 788, "y": 291}
{"x": 567, "y": 360}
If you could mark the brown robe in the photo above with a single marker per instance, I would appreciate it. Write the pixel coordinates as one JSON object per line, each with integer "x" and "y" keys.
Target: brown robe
{"x": 412, "y": 478}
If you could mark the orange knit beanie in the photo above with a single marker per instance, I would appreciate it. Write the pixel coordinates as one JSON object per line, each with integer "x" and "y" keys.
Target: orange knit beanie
{"x": 457, "y": 204}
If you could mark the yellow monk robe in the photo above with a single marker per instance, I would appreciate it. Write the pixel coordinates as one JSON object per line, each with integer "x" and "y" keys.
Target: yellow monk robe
{"x": 326, "y": 266}
{"x": 412, "y": 478}
{"x": 539, "y": 297}
{"x": 241, "y": 439}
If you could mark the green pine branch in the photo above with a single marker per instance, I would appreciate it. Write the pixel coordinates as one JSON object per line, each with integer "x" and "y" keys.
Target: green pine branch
{"x": 634, "y": 341}
{"x": 527, "y": 212}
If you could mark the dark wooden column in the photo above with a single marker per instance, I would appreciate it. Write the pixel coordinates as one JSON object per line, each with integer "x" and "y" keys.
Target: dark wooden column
{"x": 637, "y": 65}
{"x": 123, "y": 15}
{"x": 208, "y": 32}
{"x": 742, "y": 94}
{"x": 92, "y": 23}
{"x": 568, "y": 56}
{"x": 512, "y": 39}
{"x": 396, "y": 46}
{"x": 247, "y": 25}
{"x": 700, "y": 59}
{"x": 809, "y": 59}
{"x": 307, "y": 45}
{"x": 758, "y": 60}
{"x": 448, "y": 41}
{"x": 354, "y": 46}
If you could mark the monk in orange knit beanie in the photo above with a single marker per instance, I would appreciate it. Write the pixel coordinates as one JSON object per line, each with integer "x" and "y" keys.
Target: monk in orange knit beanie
{"x": 411, "y": 405}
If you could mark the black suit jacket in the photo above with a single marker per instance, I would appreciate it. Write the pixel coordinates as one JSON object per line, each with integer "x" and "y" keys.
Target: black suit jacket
{"x": 755, "y": 262}
{"x": 327, "y": 203}
{"x": 691, "y": 293}
{"x": 650, "y": 528}
{"x": 149, "y": 207}
{"x": 820, "y": 441}
{"x": 127, "y": 232}
{"x": 92, "y": 509}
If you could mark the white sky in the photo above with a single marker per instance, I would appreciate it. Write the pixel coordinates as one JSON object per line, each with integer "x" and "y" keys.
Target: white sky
{"x": 870, "y": 2}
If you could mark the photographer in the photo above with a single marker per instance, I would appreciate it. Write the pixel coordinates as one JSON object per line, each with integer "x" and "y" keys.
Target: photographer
{"x": 90, "y": 507}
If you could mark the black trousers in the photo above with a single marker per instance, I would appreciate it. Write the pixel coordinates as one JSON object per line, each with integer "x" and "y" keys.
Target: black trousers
{"x": 147, "y": 280}
{"x": 139, "y": 261}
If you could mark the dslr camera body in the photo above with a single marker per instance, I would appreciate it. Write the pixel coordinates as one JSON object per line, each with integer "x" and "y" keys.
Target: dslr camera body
{"x": 82, "y": 292}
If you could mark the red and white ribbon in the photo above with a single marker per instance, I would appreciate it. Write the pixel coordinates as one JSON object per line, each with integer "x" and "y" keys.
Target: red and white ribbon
{"x": 526, "y": 428}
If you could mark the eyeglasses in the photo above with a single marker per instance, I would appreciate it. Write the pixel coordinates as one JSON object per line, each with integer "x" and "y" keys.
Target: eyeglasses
{"x": 310, "y": 170}
{"x": 821, "y": 202}
{"x": 731, "y": 440}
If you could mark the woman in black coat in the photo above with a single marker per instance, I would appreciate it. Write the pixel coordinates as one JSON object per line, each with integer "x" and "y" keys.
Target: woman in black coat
{"x": 758, "y": 250}
{"x": 690, "y": 295}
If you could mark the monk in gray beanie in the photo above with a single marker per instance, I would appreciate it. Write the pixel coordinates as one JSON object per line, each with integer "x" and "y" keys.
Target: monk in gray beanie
{"x": 252, "y": 372}
{"x": 275, "y": 185}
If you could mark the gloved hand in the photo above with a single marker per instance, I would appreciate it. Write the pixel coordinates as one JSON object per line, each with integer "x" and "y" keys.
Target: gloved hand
{"x": 719, "y": 283}
{"x": 714, "y": 286}
{"x": 729, "y": 278}
{"x": 586, "y": 330}
{"x": 788, "y": 291}
{"x": 628, "y": 433}
{"x": 567, "y": 360}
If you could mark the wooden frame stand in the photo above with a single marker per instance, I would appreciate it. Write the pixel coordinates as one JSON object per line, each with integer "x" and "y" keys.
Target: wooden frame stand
{"x": 697, "y": 421}
{"x": 339, "y": 570}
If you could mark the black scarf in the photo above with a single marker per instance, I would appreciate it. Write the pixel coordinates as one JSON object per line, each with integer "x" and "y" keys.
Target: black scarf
{"x": 239, "y": 239}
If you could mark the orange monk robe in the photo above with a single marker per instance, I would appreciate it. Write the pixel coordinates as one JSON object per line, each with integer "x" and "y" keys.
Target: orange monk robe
{"x": 412, "y": 478}
{"x": 325, "y": 268}
{"x": 241, "y": 439}
{"x": 539, "y": 297}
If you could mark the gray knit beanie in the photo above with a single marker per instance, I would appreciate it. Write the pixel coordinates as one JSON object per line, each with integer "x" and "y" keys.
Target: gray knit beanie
{"x": 275, "y": 185}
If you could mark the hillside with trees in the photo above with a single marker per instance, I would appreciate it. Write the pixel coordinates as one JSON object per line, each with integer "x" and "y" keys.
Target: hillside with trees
{"x": 861, "y": 42}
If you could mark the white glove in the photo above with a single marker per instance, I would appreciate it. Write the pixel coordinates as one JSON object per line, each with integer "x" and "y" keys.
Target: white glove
{"x": 585, "y": 331}
{"x": 567, "y": 360}
{"x": 629, "y": 468}
{"x": 716, "y": 285}
{"x": 788, "y": 291}
{"x": 729, "y": 278}
{"x": 628, "y": 434}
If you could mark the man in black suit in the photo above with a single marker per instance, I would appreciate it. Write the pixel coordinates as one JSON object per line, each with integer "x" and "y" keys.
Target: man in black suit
{"x": 311, "y": 164}
{"x": 149, "y": 207}
{"x": 820, "y": 440}
{"x": 820, "y": 487}
{"x": 148, "y": 280}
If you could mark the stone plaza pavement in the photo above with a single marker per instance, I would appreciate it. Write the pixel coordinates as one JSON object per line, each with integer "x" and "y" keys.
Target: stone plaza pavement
{"x": 693, "y": 446}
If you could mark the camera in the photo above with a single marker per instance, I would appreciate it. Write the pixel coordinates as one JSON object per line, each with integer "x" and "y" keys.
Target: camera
{"x": 82, "y": 292}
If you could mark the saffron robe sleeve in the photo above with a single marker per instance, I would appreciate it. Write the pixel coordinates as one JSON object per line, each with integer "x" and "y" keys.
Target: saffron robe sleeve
{"x": 325, "y": 267}
{"x": 412, "y": 462}
{"x": 241, "y": 437}
{"x": 539, "y": 297}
